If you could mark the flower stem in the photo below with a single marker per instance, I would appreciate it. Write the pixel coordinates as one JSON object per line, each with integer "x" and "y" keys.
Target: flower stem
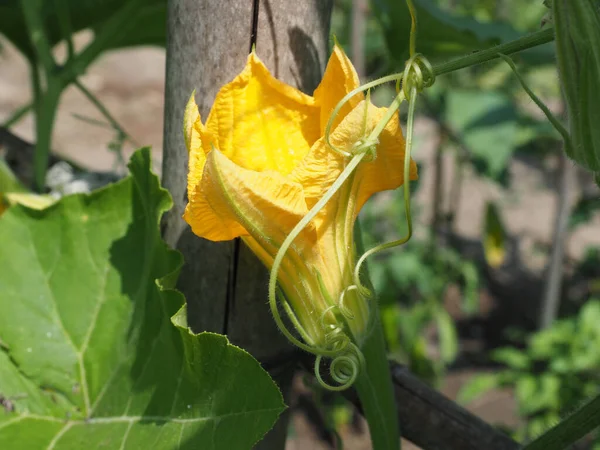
{"x": 532, "y": 40}
{"x": 374, "y": 384}
{"x": 407, "y": 153}
{"x": 45, "y": 115}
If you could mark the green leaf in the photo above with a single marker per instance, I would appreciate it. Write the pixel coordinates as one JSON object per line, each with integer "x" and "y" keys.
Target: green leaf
{"x": 526, "y": 388}
{"x": 447, "y": 336}
{"x": 470, "y": 303}
{"x": 513, "y": 358}
{"x": 8, "y": 180}
{"x": 149, "y": 28}
{"x": 389, "y": 320}
{"x": 441, "y": 33}
{"x": 149, "y": 23}
{"x": 553, "y": 342}
{"x": 538, "y": 394}
{"x": 487, "y": 123}
{"x": 477, "y": 386}
{"x": 589, "y": 318}
{"x": 584, "y": 211}
{"x": 91, "y": 358}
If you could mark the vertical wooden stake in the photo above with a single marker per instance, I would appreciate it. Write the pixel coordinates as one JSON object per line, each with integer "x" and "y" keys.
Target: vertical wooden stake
{"x": 207, "y": 45}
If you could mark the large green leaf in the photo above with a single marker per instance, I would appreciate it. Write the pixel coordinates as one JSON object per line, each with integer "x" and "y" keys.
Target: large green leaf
{"x": 487, "y": 123}
{"x": 89, "y": 355}
{"x": 147, "y": 26}
{"x": 441, "y": 33}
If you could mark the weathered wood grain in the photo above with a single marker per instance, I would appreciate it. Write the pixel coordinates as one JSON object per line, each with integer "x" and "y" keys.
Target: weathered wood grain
{"x": 207, "y": 45}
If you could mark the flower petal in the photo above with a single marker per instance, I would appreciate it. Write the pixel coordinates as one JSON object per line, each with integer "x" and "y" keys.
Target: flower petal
{"x": 322, "y": 166}
{"x": 260, "y": 123}
{"x": 339, "y": 79}
{"x": 192, "y": 132}
{"x": 232, "y": 201}
{"x": 190, "y": 117}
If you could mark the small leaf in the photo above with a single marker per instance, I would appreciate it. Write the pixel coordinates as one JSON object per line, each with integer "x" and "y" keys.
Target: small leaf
{"x": 470, "y": 303}
{"x": 549, "y": 343}
{"x": 513, "y": 358}
{"x": 485, "y": 120}
{"x": 447, "y": 336}
{"x": 477, "y": 386}
{"x": 525, "y": 390}
{"x": 584, "y": 211}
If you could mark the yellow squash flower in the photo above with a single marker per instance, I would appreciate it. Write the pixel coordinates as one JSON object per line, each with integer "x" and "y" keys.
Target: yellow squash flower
{"x": 261, "y": 162}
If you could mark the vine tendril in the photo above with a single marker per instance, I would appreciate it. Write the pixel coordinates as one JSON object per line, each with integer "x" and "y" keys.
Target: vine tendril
{"x": 418, "y": 75}
{"x": 344, "y": 368}
{"x": 347, "y": 359}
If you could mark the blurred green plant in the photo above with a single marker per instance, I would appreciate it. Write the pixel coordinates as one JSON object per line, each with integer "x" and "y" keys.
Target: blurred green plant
{"x": 411, "y": 286}
{"x": 478, "y": 111}
{"x": 558, "y": 370}
{"x": 35, "y": 27}
{"x": 444, "y": 33}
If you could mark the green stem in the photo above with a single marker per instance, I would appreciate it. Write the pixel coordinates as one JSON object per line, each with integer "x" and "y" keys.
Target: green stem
{"x": 374, "y": 384}
{"x": 17, "y": 115}
{"x": 56, "y": 78}
{"x": 413, "y": 28}
{"x": 532, "y": 40}
{"x": 32, "y": 13}
{"x": 63, "y": 15}
{"x": 376, "y": 392}
{"x": 104, "y": 111}
{"x": 553, "y": 120}
{"x": 45, "y": 115}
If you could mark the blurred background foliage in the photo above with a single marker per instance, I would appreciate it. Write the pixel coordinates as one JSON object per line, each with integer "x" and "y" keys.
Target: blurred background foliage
{"x": 431, "y": 290}
{"x": 442, "y": 291}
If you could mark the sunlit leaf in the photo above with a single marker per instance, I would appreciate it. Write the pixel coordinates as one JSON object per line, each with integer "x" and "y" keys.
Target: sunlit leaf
{"x": 512, "y": 357}
{"x": 487, "y": 123}
{"x": 448, "y": 339}
{"x": 91, "y": 357}
{"x": 477, "y": 386}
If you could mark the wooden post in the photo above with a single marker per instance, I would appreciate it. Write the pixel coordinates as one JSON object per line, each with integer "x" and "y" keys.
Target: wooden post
{"x": 207, "y": 45}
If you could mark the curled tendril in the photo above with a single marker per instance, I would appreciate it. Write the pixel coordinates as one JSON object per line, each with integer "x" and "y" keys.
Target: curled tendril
{"x": 344, "y": 368}
{"x": 345, "y": 99}
{"x": 346, "y": 312}
{"x": 336, "y": 341}
{"x": 346, "y": 365}
{"x": 347, "y": 359}
{"x": 418, "y": 73}
{"x": 414, "y": 80}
